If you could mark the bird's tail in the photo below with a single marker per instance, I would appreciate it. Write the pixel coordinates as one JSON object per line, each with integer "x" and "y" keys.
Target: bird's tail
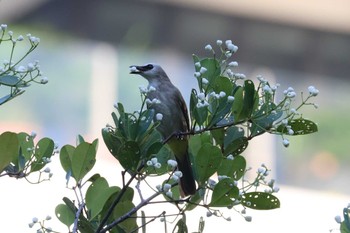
{"x": 187, "y": 182}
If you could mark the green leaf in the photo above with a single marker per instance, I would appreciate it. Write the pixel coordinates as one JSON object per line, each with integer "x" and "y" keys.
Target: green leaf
{"x": 27, "y": 144}
{"x": 218, "y": 135}
{"x": 198, "y": 115}
{"x": 346, "y": 221}
{"x": 237, "y": 104}
{"x": 181, "y": 226}
{"x": 97, "y": 195}
{"x": 10, "y": 80}
{"x": 129, "y": 155}
{"x": 236, "y": 147}
{"x": 260, "y": 201}
{"x": 233, "y": 168}
{"x": 264, "y": 118}
{"x": 65, "y": 214}
{"x": 112, "y": 141}
{"x": 223, "y": 84}
{"x": 121, "y": 209}
{"x": 300, "y": 126}
{"x": 8, "y": 148}
{"x": 84, "y": 158}
{"x": 223, "y": 193}
{"x": 66, "y": 155}
{"x": 146, "y": 119}
{"x": 44, "y": 149}
{"x": 249, "y": 99}
{"x": 5, "y": 98}
{"x": 195, "y": 199}
{"x": 213, "y": 69}
{"x": 207, "y": 161}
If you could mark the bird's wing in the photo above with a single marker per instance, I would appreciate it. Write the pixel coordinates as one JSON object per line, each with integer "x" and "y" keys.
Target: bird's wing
{"x": 184, "y": 110}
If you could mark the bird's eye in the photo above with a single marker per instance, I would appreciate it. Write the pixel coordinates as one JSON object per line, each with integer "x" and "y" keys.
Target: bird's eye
{"x": 149, "y": 67}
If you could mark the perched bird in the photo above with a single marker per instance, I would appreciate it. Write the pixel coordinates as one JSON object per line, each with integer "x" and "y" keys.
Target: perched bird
{"x": 175, "y": 119}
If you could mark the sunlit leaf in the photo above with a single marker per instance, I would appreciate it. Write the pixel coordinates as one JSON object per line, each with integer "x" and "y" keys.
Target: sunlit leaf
{"x": 300, "y": 126}
{"x": 8, "y": 148}
{"x": 233, "y": 168}
{"x": 223, "y": 193}
{"x": 97, "y": 195}
{"x": 207, "y": 161}
{"x": 84, "y": 158}
{"x": 121, "y": 209}
{"x": 260, "y": 201}
{"x": 44, "y": 149}
{"x": 129, "y": 155}
{"x": 65, "y": 214}
{"x": 236, "y": 147}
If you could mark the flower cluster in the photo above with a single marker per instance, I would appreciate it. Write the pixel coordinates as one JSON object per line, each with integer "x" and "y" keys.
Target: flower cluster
{"x": 42, "y": 227}
{"x": 14, "y": 74}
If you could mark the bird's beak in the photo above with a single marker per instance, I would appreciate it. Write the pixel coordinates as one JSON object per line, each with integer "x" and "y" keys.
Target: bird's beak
{"x": 137, "y": 69}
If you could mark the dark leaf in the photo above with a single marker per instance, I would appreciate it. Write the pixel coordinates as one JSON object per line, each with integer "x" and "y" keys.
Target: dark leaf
{"x": 260, "y": 201}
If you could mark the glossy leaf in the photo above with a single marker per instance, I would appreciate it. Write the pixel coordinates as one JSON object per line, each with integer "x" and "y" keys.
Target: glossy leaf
{"x": 213, "y": 69}
{"x": 5, "y": 98}
{"x": 198, "y": 115}
{"x": 236, "y": 147}
{"x": 65, "y": 214}
{"x": 66, "y": 155}
{"x": 112, "y": 142}
{"x": 121, "y": 209}
{"x": 223, "y": 193}
{"x": 260, "y": 201}
{"x": 8, "y": 148}
{"x": 27, "y": 144}
{"x": 83, "y": 160}
{"x": 97, "y": 195}
{"x": 299, "y": 126}
{"x": 264, "y": 119}
{"x": 346, "y": 221}
{"x": 44, "y": 149}
{"x": 129, "y": 155}
{"x": 233, "y": 168}
{"x": 207, "y": 161}
{"x": 9, "y": 80}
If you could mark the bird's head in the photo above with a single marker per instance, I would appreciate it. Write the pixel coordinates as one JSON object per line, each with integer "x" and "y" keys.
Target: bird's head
{"x": 151, "y": 72}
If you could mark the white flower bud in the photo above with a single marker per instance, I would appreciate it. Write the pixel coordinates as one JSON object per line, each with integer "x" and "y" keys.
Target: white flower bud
{"x": 230, "y": 157}
{"x": 230, "y": 98}
{"x": 201, "y": 96}
{"x": 338, "y": 219}
{"x": 159, "y": 116}
{"x": 35, "y": 220}
{"x": 219, "y": 42}
{"x": 154, "y": 160}
{"x": 222, "y": 94}
{"x": 248, "y": 218}
{"x": 313, "y": 91}
{"x": 233, "y": 63}
{"x": 47, "y": 170}
{"x": 203, "y": 70}
{"x": 285, "y": 142}
{"x": 197, "y": 64}
{"x": 178, "y": 174}
{"x": 205, "y": 81}
{"x": 169, "y": 194}
{"x": 172, "y": 163}
{"x": 158, "y": 165}
{"x": 166, "y": 187}
{"x": 197, "y": 74}
{"x": 208, "y": 47}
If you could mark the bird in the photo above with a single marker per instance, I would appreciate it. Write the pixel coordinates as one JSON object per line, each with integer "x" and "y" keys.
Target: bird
{"x": 174, "y": 120}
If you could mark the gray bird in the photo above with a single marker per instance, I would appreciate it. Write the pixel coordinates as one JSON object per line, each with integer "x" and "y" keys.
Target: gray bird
{"x": 175, "y": 120}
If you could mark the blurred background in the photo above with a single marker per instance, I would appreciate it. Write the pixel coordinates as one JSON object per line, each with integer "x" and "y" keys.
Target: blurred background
{"x": 87, "y": 46}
